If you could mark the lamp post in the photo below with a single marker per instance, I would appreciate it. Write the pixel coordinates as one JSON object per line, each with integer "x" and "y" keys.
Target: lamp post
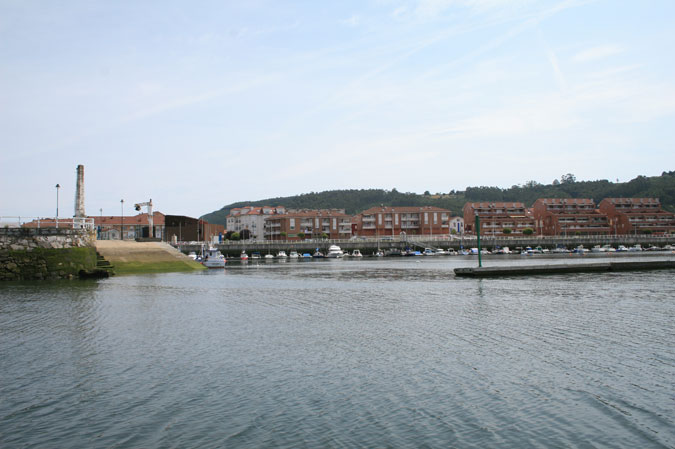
{"x": 58, "y": 186}
{"x": 122, "y": 225}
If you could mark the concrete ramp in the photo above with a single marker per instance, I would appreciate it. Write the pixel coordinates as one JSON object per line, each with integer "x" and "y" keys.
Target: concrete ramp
{"x": 144, "y": 257}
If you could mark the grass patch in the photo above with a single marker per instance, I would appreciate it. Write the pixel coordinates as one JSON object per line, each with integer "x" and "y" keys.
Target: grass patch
{"x": 122, "y": 268}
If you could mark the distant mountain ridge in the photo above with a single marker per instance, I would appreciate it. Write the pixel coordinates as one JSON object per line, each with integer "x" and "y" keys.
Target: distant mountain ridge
{"x": 354, "y": 201}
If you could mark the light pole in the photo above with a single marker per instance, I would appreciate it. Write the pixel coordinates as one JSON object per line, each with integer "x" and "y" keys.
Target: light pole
{"x": 122, "y": 225}
{"x": 58, "y": 186}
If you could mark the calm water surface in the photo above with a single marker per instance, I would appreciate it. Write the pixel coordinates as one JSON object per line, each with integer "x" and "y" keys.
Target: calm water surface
{"x": 340, "y": 353}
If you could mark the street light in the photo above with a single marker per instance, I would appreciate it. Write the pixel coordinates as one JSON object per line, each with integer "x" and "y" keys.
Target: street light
{"x": 122, "y": 226}
{"x": 58, "y": 186}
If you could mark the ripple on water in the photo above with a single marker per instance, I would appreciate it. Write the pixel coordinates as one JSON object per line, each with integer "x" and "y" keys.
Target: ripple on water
{"x": 346, "y": 354}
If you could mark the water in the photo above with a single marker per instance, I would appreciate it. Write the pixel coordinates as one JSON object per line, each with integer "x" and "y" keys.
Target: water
{"x": 340, "y": 353}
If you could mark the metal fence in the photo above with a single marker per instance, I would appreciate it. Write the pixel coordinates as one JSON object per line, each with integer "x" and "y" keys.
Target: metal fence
{"x": 46, "y": 222}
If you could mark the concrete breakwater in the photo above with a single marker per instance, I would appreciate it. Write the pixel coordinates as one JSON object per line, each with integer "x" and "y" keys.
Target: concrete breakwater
{"x": 46, "y": 253}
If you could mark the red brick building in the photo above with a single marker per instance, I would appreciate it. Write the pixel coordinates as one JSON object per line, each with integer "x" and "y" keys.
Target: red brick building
{"x": 391, "y": 221}
{"x": 495, "y": 217}
{"x": 637, "y": 216}
{"x": 569, "y": 216}
{"x": 334, "y": 223}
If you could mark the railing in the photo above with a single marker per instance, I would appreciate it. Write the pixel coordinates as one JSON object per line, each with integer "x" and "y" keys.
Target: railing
{"x": 46, "y": 222}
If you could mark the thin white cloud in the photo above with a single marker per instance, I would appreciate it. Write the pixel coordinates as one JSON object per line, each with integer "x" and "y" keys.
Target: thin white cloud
{"x": 353, "y": 21}
{"x": 595, "y": 53}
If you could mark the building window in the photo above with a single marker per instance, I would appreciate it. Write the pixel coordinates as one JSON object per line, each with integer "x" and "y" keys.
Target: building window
{"x": 292, "y": 223}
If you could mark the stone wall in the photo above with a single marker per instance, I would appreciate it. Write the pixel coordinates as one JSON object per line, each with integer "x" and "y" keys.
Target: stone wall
{"x": 46, "y": 253}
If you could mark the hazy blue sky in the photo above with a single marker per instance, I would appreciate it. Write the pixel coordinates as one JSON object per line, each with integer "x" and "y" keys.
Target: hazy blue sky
{"x": 199, "y": 104}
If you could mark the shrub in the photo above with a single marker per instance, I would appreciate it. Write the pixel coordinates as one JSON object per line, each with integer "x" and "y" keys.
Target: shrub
{"x": 506, "y": 230}
{"x": 528, "y": 231}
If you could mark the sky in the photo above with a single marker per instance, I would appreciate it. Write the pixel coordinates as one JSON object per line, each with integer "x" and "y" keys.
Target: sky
{"x": 200, "y": 104}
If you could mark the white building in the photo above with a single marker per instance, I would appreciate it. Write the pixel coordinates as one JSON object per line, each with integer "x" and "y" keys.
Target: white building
{"x": 457, "y": 225}
{"x": 252, "y": 218}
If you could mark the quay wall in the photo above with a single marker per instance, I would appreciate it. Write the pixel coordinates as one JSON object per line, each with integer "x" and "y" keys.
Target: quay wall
{"x": 370, "y": 245}
{"x": 45, "y": 253}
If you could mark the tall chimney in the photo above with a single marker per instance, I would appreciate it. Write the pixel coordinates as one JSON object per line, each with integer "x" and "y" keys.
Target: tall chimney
{"x": 79, "y": 193}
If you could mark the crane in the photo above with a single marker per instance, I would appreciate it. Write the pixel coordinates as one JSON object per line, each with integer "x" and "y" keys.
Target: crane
{"x": 138, "y": 206}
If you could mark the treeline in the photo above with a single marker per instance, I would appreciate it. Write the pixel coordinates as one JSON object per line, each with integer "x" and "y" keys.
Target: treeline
{"x": 354, "y": 201}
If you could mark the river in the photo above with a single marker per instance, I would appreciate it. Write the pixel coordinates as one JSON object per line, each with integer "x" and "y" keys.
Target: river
{"x": 340, "y": 353}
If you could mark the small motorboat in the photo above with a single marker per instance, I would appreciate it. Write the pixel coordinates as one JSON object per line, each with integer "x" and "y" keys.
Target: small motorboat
{"x": 334, "y": 252}
{"x": 212, "y": 258}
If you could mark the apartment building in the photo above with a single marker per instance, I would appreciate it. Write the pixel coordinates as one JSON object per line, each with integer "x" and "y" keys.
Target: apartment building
{"x": 392, "y": 221}
{"x": 252, "y": 218}
{"x": 498, "y": 217}
{"x": 306, "y": 224}
{"x": 637, "y": 216}
{"x": 569, "y": 216}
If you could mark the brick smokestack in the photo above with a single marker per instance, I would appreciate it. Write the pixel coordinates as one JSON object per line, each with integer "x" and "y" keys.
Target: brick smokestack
{"x": 79, "y": 193}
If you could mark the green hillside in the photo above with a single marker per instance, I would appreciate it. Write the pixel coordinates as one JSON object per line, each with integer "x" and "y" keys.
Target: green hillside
{"x": 355, "y": 201}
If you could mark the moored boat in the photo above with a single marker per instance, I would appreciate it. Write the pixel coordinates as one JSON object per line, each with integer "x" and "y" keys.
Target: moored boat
{"x": 212, "y": 258}
{"x": 334, "y": 252}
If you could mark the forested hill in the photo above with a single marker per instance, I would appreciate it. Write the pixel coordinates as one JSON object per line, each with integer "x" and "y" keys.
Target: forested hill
{"x": 355, "y": 201}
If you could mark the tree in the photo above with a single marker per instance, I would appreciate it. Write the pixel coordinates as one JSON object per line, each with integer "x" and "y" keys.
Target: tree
{"x": 568, "y": 179}
{"x": 235, "y": 236}
{"x": 324, "y": 235}
{"x": 506, "y": 230}
{"x": 528, "y": 231}
{"x": 283, "y": 234}
{"x": 301, "y": 235}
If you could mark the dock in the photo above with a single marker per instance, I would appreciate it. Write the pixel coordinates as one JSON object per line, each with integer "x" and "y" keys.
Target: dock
{"x": 598, "y": 267}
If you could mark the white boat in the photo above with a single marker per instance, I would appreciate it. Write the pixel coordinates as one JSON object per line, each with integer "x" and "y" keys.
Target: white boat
{"x": 243, "y": 256}
{"x": 213, "y": 259}
{"x": 528, "y": 251}
{"x": 334, "y": 252}
{"x": 269, "y": 256}
{"x": 621, "y": 249}
{"x": 255, "y": 256}
{"x": 294, "y": 255}
{"x": 441, "y": 252}
{"x": 282, "y": 255}
{"x": 356, "y": 253}
{"x": 192, "y": 255}
{"x": 428, "y": 252}
{"x": 636, "y": 247}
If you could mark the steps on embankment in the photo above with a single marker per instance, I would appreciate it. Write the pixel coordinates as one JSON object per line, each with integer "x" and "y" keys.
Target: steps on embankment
{"x": 130, "y": 257}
